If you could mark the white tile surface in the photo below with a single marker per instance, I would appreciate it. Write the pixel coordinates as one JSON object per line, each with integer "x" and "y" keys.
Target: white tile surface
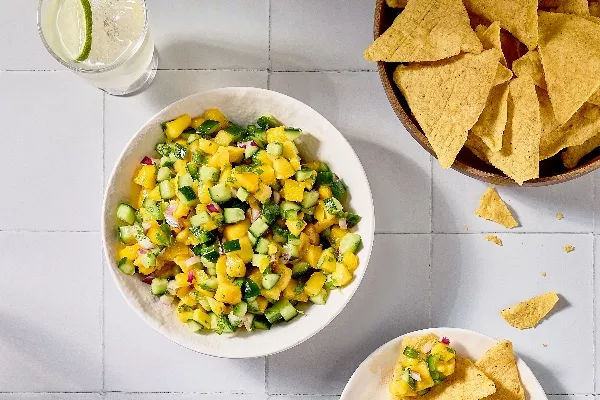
{"x": 130, "y": 347}
{"x": 53, "y": 146}
{"x": 309, "y": 397}
{"x": 210, "y": 33}
{"x": 125, "y": 115}
{"x": 21, "y": 47}
{"x": 397, "y": 167}
{"x": 472, "y": 280}
{"x": 456, "y": 197}
{"x": 317, "y": 35}
{"x": 50, "y": 396}
{"x": 377, "y": 313}
{"x": 50, "y": 313}
{"x": 178, "y": 396}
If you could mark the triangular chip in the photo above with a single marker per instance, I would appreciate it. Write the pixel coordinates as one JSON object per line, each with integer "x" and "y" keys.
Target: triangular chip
{"x": 427, "y": 30}
{"x": 492, "y": 121}
{"x": 570, "y": 53}
{"x": 466, "y": 383}
{"x": 573, "y": 155}
{"x": 581, "y": 127}
{"x": 529, "y": 313}
{"x": 519, "y": 156}
{"x": 493, "y": 208}
{"x": 490, "y": 37}
{"x": 530, "y": 65}
{"x": 503, "y": 75}
{"x": 396, "y": 3}
{"x": 518, "y": 17}
{"x": 447, "y": 98}
{"x": 499, "y": 364}
{"x": 578, "y": 7}
{"x": 549, "y": 122}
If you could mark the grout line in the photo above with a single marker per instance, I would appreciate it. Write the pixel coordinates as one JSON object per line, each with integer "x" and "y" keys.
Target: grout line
{"x": 102, "y": 317}
{"x": 594, "y": 325}
{"x": 33, "y": 70}
{"x": 268, "y": 69}
{"x": 485, "y": 233}
{"x": 430, "y": 240}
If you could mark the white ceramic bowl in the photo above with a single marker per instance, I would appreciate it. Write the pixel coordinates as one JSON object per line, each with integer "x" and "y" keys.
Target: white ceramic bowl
{"x": 371, "y": 378}
{"x": 320, "y": 140}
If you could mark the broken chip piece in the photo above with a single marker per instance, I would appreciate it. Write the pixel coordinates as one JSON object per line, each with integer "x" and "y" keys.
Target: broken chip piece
{"x": 494, "y": 239}
{"x": 529, "y": 313}
{"x": 493, "y": 208}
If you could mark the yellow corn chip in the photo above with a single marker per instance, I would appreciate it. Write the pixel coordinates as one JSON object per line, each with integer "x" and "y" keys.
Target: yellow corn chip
{"x": 427, "y": 30}
{"x": 568, "y": 248}
{"x": 530, "y": 65}
{"x": 582, "y": 126}
{"x": 594, "y": 9}
{"x": 494, "y": 239}
{"x": 518, "y": 17}
{"x": 549, "y": 122}
{"x": 492, "y": 121}
{"x": 520, "y": 153}
{"x": 493, "y": 208}
{"x": 570, "y": 53}
{"x": 559, "y": 215}
{"x": 503, "y": 75}
{"x": 396, "y": 3}
{"x": 573, "y": 155}
{"x": 490, "y": 37}
{"x": 529, "y": 313}
{"x": 595, "y": 99}
{"x": 447, "y": 98}
{"x": 578, "y": 7}
{"x": 466, "y": 383}
{"x": 499, "y": 364}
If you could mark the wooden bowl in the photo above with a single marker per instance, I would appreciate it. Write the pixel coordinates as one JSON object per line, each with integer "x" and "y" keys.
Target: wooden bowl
{"x": 552, "y": 170}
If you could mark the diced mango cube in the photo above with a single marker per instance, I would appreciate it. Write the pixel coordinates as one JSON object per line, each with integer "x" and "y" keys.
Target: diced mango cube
{"x": 176, "y": 127}
{"x": 263, "y": 193}
{"x": 295, "y": 226}
{"x": 325, "y": 192}
{"x": 235, "y": 266}
{"x": 207, "y": 146}
{"x": 268, "y": 175}
{"x": 154, "y": 194}
{"x": 181, "y": 211}
{"x": 228, "y": 293}
{"x": 315, "y": 283}
{"x": 237, "y": 230}
{"x": 217, "y": 306}
{"x": 236, "y": 154}
{"x": 290, "y": 150}
{"x": 202, "y": 318}
{"x": 312, "y": 255}
{"x": 246, "y": 251}
{"x": 293, "y": 190}
{"x": 180, "y": 168}
{"x": 289, "y": 292}
{"x": 146, "y": 176}
{"x": 196, "y": 122}
{"x": 262, "y": 304}
{"x": 220, "y": 159}
{"x": 248, "y": 180}
{"x": 283, "y": 168}
{"x": 277, "y": 135}
{"x": 341, "y": 276}
{"x": 350, "y": 260}
{"x": 131, "y": 252}
{"x": 216, "y": 115}
{"x": 327, "y": 260}
{"x": 223, "y": 138}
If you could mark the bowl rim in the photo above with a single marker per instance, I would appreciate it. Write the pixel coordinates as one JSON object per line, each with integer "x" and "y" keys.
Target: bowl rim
{"x": 415, "y": 131}
{"x": 348, "y": 291}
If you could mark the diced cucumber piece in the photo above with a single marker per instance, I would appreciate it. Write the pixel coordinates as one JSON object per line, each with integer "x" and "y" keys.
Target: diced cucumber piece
{"x": 220, "y": 193}
{"x": 352, "y": 219}
{"x": 187, "y": 194}
{"x": 270, "y": 212}
{"x": 155, "y": 210}
{"x": 338, "y": 189}
{"x": 270, "y": 280}
{"x": 179, "y": 151}
{"x": 275, "y": 149}
{"x": 242, "y": 194}
{"x": 304, "y": 174}
{"x": 185, "y": 180}
{"x": 237, "y": 132}
{"x": 209, "y": 284}
{"x": 194, "y": 326}
{"x": 208, "y": 127}
{"x": 320, "y": 298}
{"x": 250, "y": 151}
{"x": 126, "y": 266}
{"x": 163, "y": 173}
{"x": 260, "y": 137}
{"x": 167, "y": 191}
{"x": 159, "y": 286}
{"x": 126, "y": 213}
{"x": 261, "y": 323}
{"x": 223, "y": 325}
{"x": 287, "y": 310}
{"x": 258, "y": 227}
{"x": 280, "y": 235}
{"x": 300, "y": 268}
{"x": 250, "y": 289}
{"x": 272, "y": 314}
{"x": 232, "y": 245}
{"x": 290, "y": 214}
{"x": 310, "y": 199}
{"x": 211, "y": 267}
{"x": 127, "y": 235}
{"x": 199, "y": 157}
{"x": 324, "y": 178}
{"x": 268, "y": 121}
{"x": 202, "y": 235}
{"x": 295, "y": 240}
{"x": 148, "y": 260}
{"x": 293, "y": 133}
{"x": 333, "y": 206}
{"x": 200, "y": 219}
{"x": 213, "y": 320}
{"x": 291, "y": 250}
{"x": 262, "y": 246}
{"x": 204, "y": 303}
{"x": 252, "y": 239}
{"x": 350, "y": 242}
{"x": 233, "y": 215}
{"x": 237, "y": 313}
{"x": 167, "y": 161}
{"x": 288, "y": 205}
{"x": 192, "y": 138}
{"x": 209, "y": 174}
{"x": 192, "y": 168}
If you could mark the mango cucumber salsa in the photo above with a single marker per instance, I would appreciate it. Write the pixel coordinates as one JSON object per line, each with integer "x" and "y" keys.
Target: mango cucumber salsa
{"x": 232, "y": 227}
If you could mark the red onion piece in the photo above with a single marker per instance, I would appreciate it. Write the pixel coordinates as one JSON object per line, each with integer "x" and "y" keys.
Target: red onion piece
{"x": 286, "y": 256}
{"x": 214, "y": 208}
{"x": 192, "y": 260}
{"x": 254, "y": 214}
{"x": 251, "y": 143}
{"x": 147, "y": 161}
{"x": 142, "y": 251}
{"x": 276, "y": 197}
{"x": 146, "y": 226}
{"x": 445, "y": 340}
{"x": 234, "y": 192}
{"x": 343, "y": 223}
{"x": 190, "y": 276}
{"x": 148, "y": 279}
{"x": 427, "y": 347}
{"x": 146, "y": 243}
{"x": 415, "y": 375}
{"x": 171, "y": 209}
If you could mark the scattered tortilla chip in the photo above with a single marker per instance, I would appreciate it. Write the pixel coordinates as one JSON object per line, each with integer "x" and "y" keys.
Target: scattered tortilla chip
{"x": 594, "y": 9}
{"x": 493, "y": 208}
{"x": 559, "y": 216}
{"x": 529, "y": 313}
{"x": 494, "y": 239}
{"x": 530, "y": 65}
{"x": 578, "y": 7}
{"x": 427, "y": 30}
{"x": 490, "y": 37}
{"x": 573, "y": 155}
{"x": 568, "y": 248}
{"x": 570, "y": 54}
{"x": 447, "y": 98}
{"x": 466, "y": 383}
{"x": 518, "y": 17}
{"x": 499, "y": 364}
{"x": 519, "y": 156}
{"x": 396, "y": 3}
{"x": 582, "y": 126}
{"x": 492, "y": 121}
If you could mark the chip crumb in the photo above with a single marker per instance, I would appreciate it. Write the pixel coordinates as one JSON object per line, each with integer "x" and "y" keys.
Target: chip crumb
{"x": 466, "y": 228}
{"x": 529, "y": 313}
{"x": 569, "y": 248}
{"x": 544, "y": 274}
{"x": 544, "y": 345}
{"x": 493, "y": 208}
{"x": 494, "y": 239}
{"x": 559, "y": 216}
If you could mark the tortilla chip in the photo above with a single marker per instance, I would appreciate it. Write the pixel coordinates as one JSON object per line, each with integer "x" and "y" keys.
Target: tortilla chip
{"x": 494, "y": 239}
{"x": 578, "y": 7}
{"x": 594, "y": 9}
{"x": 493, "y": 208}
{"x": 519, "y": 157}
{"x": 490, "y": 37}
{"x": 492, "y": 121}
{"x": 530, "y": 65}
{"x": 518, "y": 17}
{"x": 529, "y": 313}
{"x": 595, "y": 99}
{"x": 570, "y": 54}
{"x": 499, "y": 364}
{"x": 447, "y": 98}
{"x": 427, "y": 30}
{"x": 582, "y": 126}
{"x": 466, "y": 383}
{"x": 573, "y": 155}
{"x": 396, "y": 3}
{"x": 549, "y": 122}
{"x": 503, "y": 75}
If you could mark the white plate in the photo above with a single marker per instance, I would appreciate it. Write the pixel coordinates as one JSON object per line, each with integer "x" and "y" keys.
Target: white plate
{"x": 320, "y": 140}
{"x": 370, "y": 380}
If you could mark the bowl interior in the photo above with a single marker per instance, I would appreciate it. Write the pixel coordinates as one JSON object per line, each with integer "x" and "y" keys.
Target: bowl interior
{"x": 320, "y": 140}
{"x": 552, "y": 170}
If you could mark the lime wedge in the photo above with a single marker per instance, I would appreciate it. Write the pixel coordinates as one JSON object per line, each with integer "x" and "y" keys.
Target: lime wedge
{"x": 74, "y": 22}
